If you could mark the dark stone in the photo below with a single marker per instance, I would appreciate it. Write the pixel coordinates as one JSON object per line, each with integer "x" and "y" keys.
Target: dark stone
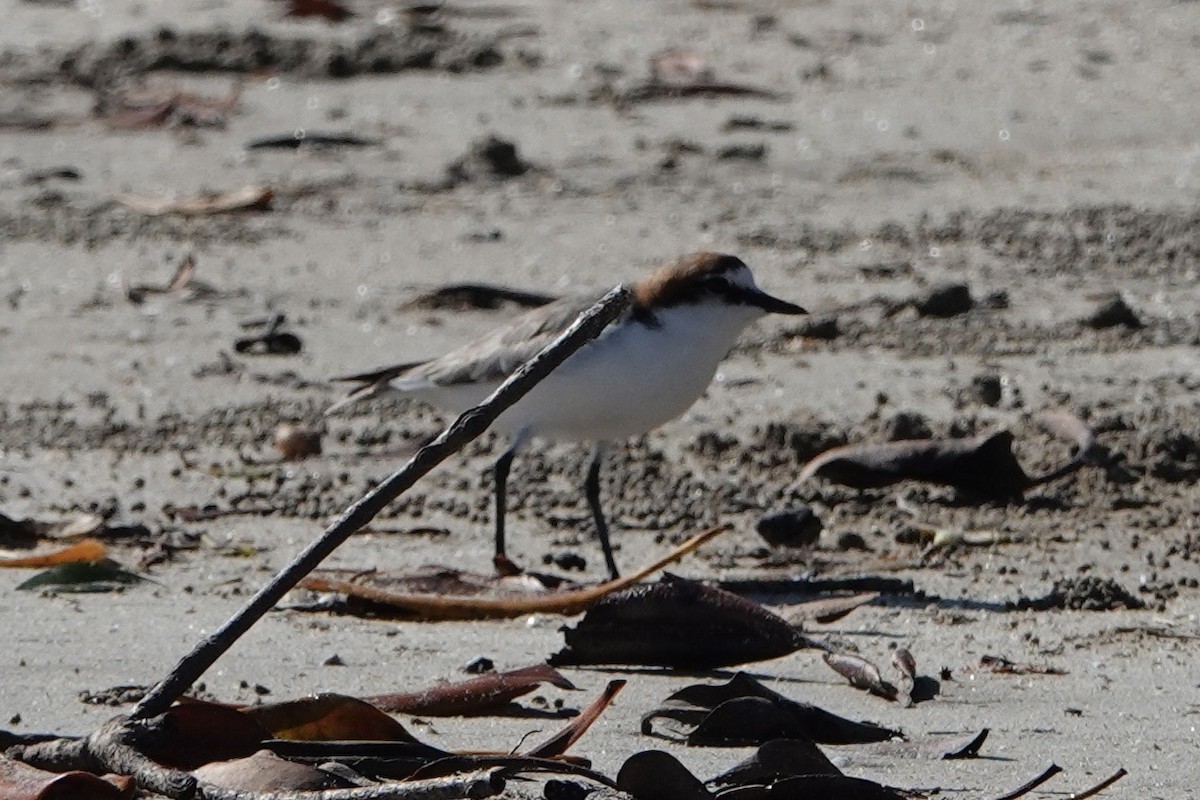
{"x": 794, "y": 527}
{"x": 945, "y": 300}
{"x": 1111, "y": 312}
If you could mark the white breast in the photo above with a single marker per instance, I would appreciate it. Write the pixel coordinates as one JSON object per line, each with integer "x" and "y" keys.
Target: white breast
{"x": 629, "y": 381}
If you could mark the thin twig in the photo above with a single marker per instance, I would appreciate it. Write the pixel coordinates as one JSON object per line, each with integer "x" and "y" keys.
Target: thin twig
{"x": 466, "y": 428}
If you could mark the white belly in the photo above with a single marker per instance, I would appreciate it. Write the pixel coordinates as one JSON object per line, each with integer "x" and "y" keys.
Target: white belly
{"x": 629, "y": 381}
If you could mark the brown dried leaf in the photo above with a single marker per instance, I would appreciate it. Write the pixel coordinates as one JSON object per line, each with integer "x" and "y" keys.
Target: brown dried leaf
{"x": 266, "y": 772}
{"x": 328, "y": 717}
{"x": 981, "y": 464}
{"x": 83, "y": 552}
{"x": 248, "y": 198}
{"x": 196, "y": 732}
{"x": 743, "y": 711}
{"x": 476, "y": 696}
{"x": 20, "y": 781}
{"x": 490, "y": 598}
{"x": 678, "y": 623}
{"x": 906, "y": 665}
{"x": 159, "y": 106}
{"x": 861, "y": 673}
{"x": 326, "y": 9}
{"x": 830, "y": 609}
{"x": 559, "y": 743}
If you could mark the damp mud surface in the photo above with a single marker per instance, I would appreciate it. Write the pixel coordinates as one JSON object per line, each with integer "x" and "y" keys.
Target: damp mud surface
{"x": 989, "y": 212}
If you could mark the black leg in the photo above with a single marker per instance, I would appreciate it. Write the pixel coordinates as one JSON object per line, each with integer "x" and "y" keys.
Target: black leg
{"x": 591, "y": 488}
{"x": 501, "y": 472}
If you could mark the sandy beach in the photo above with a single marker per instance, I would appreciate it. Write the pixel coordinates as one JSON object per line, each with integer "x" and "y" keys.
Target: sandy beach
{"x": 859, "y": 157}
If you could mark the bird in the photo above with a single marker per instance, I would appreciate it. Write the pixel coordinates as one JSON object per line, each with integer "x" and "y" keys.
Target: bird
{"x": 645, "y": 369}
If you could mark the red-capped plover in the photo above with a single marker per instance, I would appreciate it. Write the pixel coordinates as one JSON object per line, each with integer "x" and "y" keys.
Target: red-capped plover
{"x": 645, "y": 369}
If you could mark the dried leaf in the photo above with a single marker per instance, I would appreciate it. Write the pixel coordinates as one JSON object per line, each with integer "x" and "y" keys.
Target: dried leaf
{"x": 274, "y": 341}
{"x": 561, "y": 741}
{"x": 939, "y": 747}
{"x": 304, "y": 138}
{"x": 167, "y": 106}
{"x": 830, "y": 609}
{"x": 861, "y": 673}
{"x": 105, "y": 575}
{"x": 326, "y": 9}
{"x": 1003, "y": 666}
{"x": 381, "y": 760}
{"x": 775, "y": 760}
{"x": 983, "y": 465}
{"x": 86, "y": 551}
{"x": 678, "y": 623}
{"x": 1027, "y": 787}
{"x": 500, "y": 604}
{"x": 248, "y": 198}
{"x": 182, "y": 284}
{"x": 476, "y": 696}
{"x": 655, "y": 775}
{"x": 1101, "y": 786}
{"x": 807, "y": 787}
{"x": 196, "y": 732}
{"x": 20, "y": 781}
{"x": 743, "y": 711}
{"x": 906, "y": 665}
{"x": 477, "y": 296}
{"x": 328, "y": 717}
{"x": 266, "y": 772}
{"x": 651, "y": 91}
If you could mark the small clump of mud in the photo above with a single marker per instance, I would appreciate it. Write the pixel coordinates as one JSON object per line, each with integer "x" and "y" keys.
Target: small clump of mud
{"x": 1081, "y": 594}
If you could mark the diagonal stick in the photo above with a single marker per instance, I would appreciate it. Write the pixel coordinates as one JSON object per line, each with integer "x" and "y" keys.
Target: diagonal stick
{"x": 467, "y": 427}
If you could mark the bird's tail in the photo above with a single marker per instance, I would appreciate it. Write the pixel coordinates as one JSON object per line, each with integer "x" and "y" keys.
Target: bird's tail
{"x": 364, "y": 392}
{"x": 371, "y": 384}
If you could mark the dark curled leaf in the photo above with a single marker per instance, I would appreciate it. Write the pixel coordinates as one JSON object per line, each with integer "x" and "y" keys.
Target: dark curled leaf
{"x": 476, "y": 696}
{"x": 1101, "y": 786}
{"x": 743, "y": 711}
{"x": 1004, "y": 666}
{"x": 83, "y": 577}
{"x": 296, "y": 140}
{"x": 861, "y": 673}
{"x": 1027, "y": 787}
{"x": 477, "y": 296}
{"x": 677, "y": 623}
{"x": 939, "y": 747}
{"x": 776, "y": 760}
{"x": 273, "y": 342}
{"x": 194, "y": 733}
{"x": 983, "y": 465}
{"x": 655, "y": 775}
{"x": 373, "y": 759}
